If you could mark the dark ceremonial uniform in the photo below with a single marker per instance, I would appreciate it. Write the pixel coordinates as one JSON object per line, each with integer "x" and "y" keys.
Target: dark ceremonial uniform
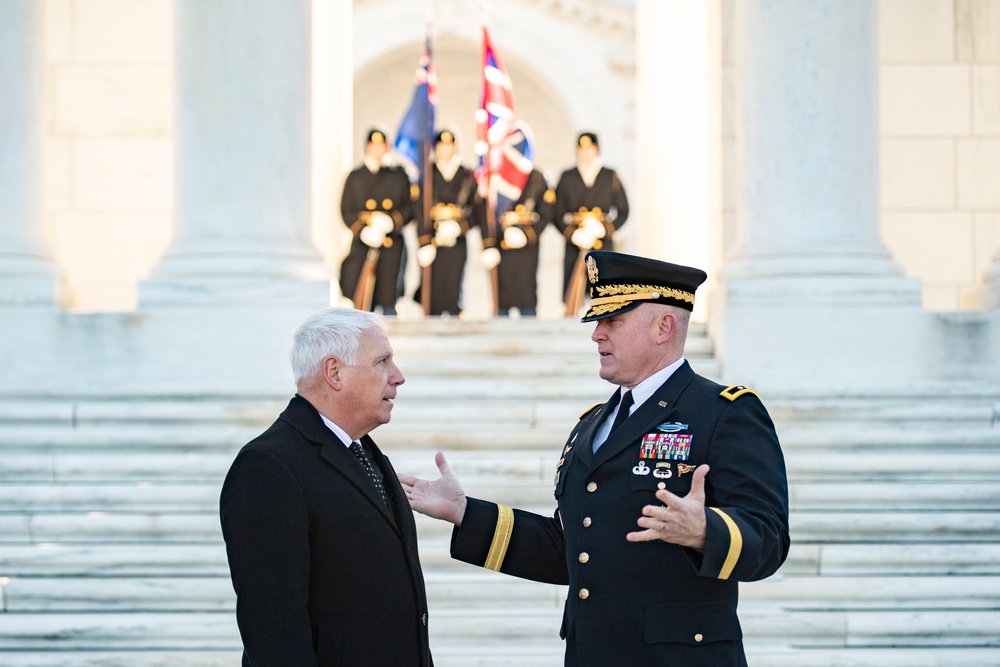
{"x": 605, "y": 199}
{"x": 388, "y": 191}
{"x": 649, "y": 603}
{"x": 517, "y": 273}
{"x": 456, "y": 200}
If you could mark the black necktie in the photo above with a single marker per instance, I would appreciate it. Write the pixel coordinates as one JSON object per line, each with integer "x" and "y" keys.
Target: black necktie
{"x": 623, "y": 410}
{"x": 373, "y": 474}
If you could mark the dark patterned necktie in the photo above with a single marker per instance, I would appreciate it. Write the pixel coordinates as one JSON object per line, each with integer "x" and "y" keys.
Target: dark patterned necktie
{"x": 373, "y": 474}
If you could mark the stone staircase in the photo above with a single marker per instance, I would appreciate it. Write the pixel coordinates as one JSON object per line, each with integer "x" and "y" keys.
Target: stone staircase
{"x": 111, "y": 553}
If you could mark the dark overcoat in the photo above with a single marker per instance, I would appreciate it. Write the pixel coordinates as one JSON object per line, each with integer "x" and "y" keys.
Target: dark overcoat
{"x": 325, "y": 574}
{"x": 650, "y": 603}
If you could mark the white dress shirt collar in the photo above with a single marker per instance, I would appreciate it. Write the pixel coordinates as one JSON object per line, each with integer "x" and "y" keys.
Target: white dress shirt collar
{"x": 337, "y": 431}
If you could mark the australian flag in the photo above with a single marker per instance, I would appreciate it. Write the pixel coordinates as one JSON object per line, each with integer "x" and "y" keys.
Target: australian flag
{"x": 503, "y": 142}
{"x": 416, "y": 131}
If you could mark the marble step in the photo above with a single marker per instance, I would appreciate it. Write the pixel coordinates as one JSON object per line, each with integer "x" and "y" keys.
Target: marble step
{"x": 165, "y": 496}
{"x": 855, "y": 436}
{"x": 209, "y": 559}
{"x": 217, "y": 631}
{"x": 557, "y": 328}
{"x": 915, "y": 414}
{"x": 793, "y": 415}
{"x": 465, "y": 367}
{"x": 547, "y": 654}
{"x": 829, "y": 526}
{"x": 146, "y": 439}
{"x": 479, "y": 589}
{"x": 919, "y": 415}
{"x": 507, "y": 465}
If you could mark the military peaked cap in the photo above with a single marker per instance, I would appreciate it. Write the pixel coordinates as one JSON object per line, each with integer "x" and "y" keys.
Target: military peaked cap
{"x": 618, "y": 283}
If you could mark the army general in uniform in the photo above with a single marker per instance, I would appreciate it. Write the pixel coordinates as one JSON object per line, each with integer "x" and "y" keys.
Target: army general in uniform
{"x": 667, "y": 495}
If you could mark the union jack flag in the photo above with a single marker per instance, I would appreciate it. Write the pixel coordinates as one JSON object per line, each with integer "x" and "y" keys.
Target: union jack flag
{"x": 503, "y": 141}
{"x": 416, "y": 130}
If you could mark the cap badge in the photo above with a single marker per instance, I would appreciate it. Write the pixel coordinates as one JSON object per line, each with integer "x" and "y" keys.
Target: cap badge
{"x": 592, "y": 270}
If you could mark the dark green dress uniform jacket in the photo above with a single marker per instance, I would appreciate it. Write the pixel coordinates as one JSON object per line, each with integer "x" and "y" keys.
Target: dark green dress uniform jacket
{"x": 326, "y": 575}
{"x": 650, "y": 603}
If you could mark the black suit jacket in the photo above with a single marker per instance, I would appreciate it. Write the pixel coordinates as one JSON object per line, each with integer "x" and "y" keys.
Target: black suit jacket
{"x": 325, "y": 574}
{"x": 652, "y": 603}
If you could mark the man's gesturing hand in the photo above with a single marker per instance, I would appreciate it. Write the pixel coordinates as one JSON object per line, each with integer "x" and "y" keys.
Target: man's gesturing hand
{"x": 441, "y": 499}
{"x": 678, "y": 520}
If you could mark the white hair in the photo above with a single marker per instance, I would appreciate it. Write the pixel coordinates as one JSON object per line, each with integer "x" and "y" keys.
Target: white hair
{"x": 333, "y": 332}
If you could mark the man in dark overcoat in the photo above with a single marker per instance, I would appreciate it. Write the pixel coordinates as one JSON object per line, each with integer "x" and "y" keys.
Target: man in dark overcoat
{"x": 668, "y": 494}
{"x": 321, "y": 541}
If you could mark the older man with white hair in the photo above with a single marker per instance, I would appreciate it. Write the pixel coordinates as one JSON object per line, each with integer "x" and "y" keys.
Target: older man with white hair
{"x": 321, "y": 541}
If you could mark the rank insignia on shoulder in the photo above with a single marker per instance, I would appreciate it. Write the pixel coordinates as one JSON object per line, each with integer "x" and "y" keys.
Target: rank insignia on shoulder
{"x": 589, "y": 410}
{"x": 735, "y": 391}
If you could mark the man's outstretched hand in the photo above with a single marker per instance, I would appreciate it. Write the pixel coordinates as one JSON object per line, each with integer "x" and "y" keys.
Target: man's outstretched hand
{"x": 678, "y": 520}
{"x": 441, "y": 499}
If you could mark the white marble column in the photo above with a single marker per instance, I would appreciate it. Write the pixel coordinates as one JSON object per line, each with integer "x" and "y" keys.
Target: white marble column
{"x": 242, "y": 221}
{"x": 807, "y": 147}
{"x": 332, "y": 123}
{"x": 675, "y": 127}
{"x": 809, "y": 295}
{"x": 28, "y": 274}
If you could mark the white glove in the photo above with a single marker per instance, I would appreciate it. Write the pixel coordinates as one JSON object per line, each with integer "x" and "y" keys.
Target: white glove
{"x": 583, "y": 239}
{"x": 594, "y": 227}
{"x": 446, "y": 233}
{"x": 381, "y": 221}
{"x": 514, "y": 238}
{"x": 372, "y": 237}
{"x": 426, "y": 255}
{"x": 489, "y": 257}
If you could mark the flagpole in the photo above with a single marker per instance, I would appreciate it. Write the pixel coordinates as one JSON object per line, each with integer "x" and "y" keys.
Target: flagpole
{"x": 428, "y": 194}
{"x": 491, "y": 224}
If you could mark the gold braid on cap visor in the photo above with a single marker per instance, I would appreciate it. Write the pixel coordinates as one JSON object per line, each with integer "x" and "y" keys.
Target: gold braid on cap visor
{"x": 622, "y": 294}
